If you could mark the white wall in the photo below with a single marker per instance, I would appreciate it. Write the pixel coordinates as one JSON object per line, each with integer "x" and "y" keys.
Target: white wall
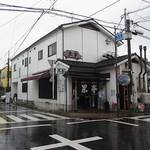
{"x": 90, "y": 43}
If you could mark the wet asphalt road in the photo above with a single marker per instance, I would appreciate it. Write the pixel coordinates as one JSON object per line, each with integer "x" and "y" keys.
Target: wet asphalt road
{"x": 24, "y": 129}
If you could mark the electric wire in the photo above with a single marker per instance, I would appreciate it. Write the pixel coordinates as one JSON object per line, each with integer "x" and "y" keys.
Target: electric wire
{"x": 141, "y": 9}
{"x": 39, "y": 10}
{"x": 143, "y": 27}
{"x": 145, "y": 1}
{"x": 14, "y": 18}
{"x": 104, "y": 8}
{"x": 42, "y": 14}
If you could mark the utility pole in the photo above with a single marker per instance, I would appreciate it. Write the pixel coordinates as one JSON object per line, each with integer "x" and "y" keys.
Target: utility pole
{"x": 8, "y": 73}
{"x": 128, "y": 38}
{"x": 116, "y": 70}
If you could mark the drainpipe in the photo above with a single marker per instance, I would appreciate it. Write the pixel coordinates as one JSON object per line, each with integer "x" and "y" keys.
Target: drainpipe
{"x": 140, "y": 47}
{"x": 144, "y": 83}
{"x": 66, "y": 92}
{"x": 62, "y": 43}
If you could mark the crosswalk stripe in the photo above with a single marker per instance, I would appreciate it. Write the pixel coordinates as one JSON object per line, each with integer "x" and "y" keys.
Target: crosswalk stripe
{"x": 45, "y": 117}
{"x": 2, "y": 121}
{"x": 57, "y": 116}
{"x": 29, "y": 117}
{"x": 14, "y": 118}
{"x": 146, "y": 119}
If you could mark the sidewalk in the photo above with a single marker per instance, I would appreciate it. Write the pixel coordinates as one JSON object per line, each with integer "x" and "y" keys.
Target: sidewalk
{"x": 90, "y": 114}
{"x": 101, "y": 115}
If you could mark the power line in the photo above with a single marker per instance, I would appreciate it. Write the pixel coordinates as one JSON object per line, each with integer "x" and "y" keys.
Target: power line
{"x": 84, "y": 16}
{"x": 146, "y": 37}
{"x": 4, "y": 24}
{"x": 42, "y": 14}
{"x": 39, "y": 10}
{"x": 62, "y": 15}
{"x": 141, "y": 9}
{"x": 145, "y": 1}
{"x": 143, "y": 27}
{"x": 104, "y": 8}
{"x": 144, "y": 19}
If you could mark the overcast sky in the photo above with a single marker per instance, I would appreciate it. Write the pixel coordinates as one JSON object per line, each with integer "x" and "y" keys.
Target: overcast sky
{"x": 12, "y": 29}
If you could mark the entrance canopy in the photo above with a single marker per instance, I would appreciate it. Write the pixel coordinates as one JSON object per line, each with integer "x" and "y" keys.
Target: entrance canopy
{"x": 84, "y": 70}
{"x": 37, "y": 76}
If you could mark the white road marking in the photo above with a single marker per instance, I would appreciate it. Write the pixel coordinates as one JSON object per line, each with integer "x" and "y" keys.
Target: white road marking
{"x": 11, "y": 111}
{"x": 2, "y": 121}
{"x": 121, "y": 122}
{"x": 29, "y": 117}
{"x": 21, "y": 127}
{"x": 14, "y": 118}
{"x": 85, "y": 121}
{"x": 138, "y": 117}
{"x": 65, "y": 142}
{"x": 146, "y": 119}
{"x": 44, "y": 116}
{"x": 115, "y": 121}
{"x": 54, "y": 115}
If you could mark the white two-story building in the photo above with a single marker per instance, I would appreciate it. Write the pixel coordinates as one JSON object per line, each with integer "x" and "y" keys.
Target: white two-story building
{"x": 65, "y": 69}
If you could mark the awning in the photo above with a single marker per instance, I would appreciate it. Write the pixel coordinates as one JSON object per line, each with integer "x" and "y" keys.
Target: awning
{"x": 81, "y": 75}
{"x": 37, "y": 76}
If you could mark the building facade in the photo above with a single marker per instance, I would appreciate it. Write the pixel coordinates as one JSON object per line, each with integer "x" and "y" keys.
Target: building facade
{"x": 66, "y": 70}
{"x": 5, "y": 78}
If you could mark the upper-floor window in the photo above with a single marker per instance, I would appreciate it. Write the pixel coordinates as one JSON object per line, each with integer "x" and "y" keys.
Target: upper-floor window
{"x": 22, "y": 61}
{"x": 52, "y": 49}
{"x": 29, "y": 60}
{"x": 14, "y": 67}
{"x": 40, "y": 54}
{"x": 26, "y": 62}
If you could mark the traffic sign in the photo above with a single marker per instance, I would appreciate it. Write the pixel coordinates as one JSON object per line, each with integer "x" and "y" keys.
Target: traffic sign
{"x": 123, "y": 79}
{"x": 119, "y": 36}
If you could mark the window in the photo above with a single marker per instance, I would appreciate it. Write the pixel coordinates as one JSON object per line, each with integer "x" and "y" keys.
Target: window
{"x": 14, "y": 67}
{"x": 52, "y": 49}
{"x": 24, "y": 87}
{"x": 22, "y": 61}
{"x": 26, "y": 62}
{"x": 29, "y": 60}
{"x": 40, "y": 54}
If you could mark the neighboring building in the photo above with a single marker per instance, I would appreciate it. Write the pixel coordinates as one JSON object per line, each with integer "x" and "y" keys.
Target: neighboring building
{"x": 4, "y": 78}
{"x": 65, "y": 69}
{"x": 148, "y": 74}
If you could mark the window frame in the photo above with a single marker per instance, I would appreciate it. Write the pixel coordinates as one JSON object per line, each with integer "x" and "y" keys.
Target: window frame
{"x": 26, "y": 62}
{"x": 14, "y": 68}
{"x": 40, "y": 54}
{"x": 52, "y": 49}
{"x": 24, "y": 87}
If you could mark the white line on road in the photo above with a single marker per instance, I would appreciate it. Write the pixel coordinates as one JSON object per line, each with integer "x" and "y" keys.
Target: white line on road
{"x": 21, "y": 127}
{"x": 146, "y": 119}
{"x": 115, "y": 121}
{"x": 29, "y": 117}
{"x": 2, "y": 121}
{"x": 138, "y": 117}
{"x": 11, "y": 111}
{"x": 53, "y": 115}
{"x": 66, "y": 142}
{"x": 44, "y": 116}
{"x": 14, "y": 118}
{"x": 121, "y": 122}
{"x": 85, "y": 121}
